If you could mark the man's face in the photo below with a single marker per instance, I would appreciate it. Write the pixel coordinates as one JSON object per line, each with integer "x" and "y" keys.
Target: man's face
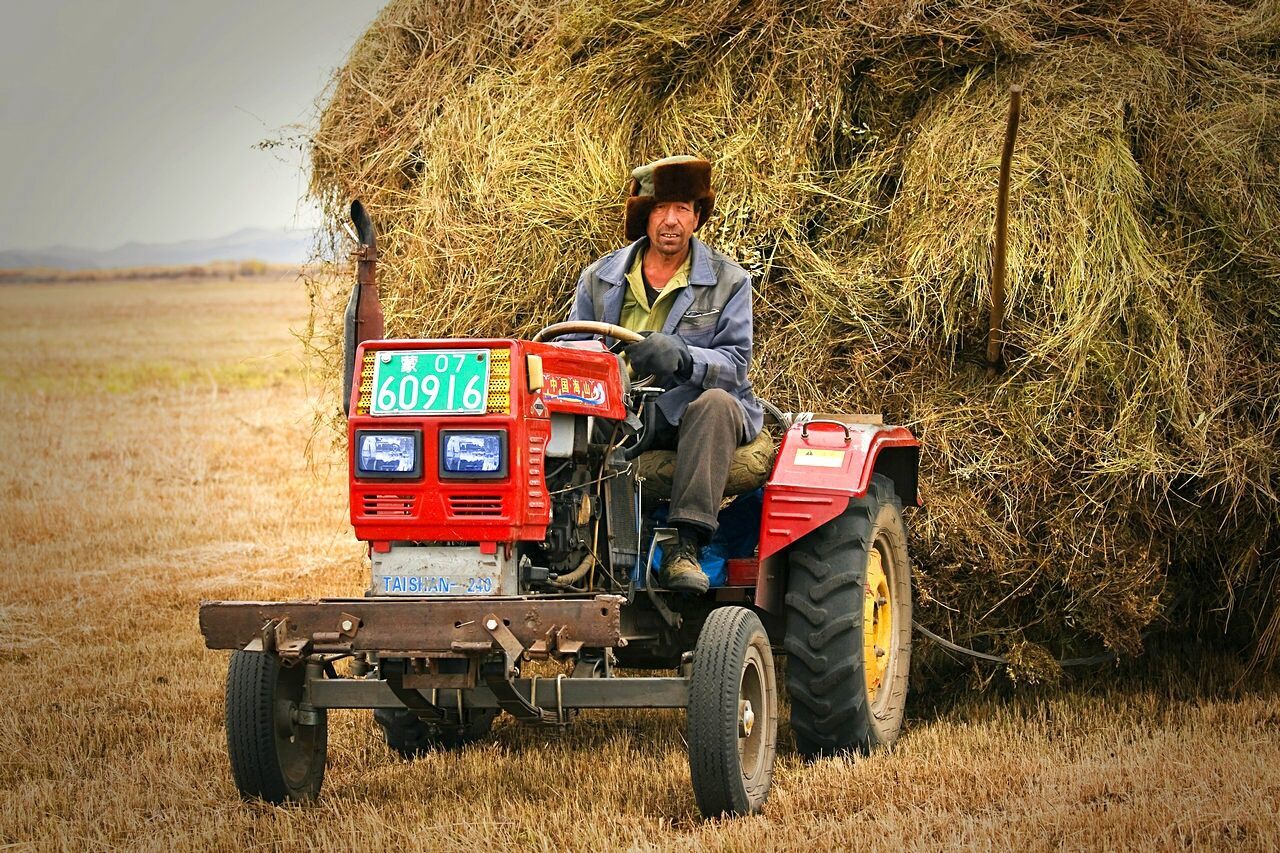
{"x": 671, "y": 224}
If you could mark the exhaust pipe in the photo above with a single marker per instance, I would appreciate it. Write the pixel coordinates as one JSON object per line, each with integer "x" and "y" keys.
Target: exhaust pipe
{"x": 363, "y": 320}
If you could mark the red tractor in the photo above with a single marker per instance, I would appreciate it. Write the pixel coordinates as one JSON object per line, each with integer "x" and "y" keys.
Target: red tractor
{"x": 514, "y": 514}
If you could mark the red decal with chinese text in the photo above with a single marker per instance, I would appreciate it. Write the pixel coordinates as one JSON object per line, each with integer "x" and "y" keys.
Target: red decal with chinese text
{"x": 574, "y": 389}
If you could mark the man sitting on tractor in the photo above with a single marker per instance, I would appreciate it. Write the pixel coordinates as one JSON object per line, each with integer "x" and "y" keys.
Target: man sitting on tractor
{"x": 693, "y": 305}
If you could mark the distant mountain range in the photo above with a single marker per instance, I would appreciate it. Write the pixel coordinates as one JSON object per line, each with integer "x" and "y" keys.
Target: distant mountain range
{"x": 278, "y": 246}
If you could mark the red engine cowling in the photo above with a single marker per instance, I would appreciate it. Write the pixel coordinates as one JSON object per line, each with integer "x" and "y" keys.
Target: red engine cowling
{"x": 580, "y": 379}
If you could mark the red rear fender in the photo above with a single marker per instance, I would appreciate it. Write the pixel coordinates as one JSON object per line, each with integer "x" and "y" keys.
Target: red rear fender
{"x": 821, "y": 465}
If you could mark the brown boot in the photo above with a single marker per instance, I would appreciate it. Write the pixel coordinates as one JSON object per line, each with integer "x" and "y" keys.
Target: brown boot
{"x": 681, "y": 570}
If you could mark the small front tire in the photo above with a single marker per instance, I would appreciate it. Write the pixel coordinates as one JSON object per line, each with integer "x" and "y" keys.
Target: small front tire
{"x": 733, "y": 714}
{"x": 277, "y": 747}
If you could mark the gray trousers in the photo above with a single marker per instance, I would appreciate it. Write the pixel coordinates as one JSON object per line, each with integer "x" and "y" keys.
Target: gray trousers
{"x": 705, "y": 440}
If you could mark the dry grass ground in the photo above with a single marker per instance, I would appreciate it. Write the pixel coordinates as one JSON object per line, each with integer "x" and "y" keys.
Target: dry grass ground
{"x": 154, "y": 455}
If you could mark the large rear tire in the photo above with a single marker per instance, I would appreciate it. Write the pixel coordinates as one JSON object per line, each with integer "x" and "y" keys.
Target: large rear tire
{"x": 848, "y": 635}
{"x": 733, "y": 714}
{"x": 277, "y": 749}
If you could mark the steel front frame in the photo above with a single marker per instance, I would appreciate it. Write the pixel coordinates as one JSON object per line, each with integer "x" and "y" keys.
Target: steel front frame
{"x": 474, "y": 628}
{"x": 406, "y": 626}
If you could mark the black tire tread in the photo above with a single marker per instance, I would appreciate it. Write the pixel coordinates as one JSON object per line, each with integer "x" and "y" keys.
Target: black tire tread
{"x": 713, "y": 697}
{"x": 250, "y": 729}
{"x": 823, "y": 603}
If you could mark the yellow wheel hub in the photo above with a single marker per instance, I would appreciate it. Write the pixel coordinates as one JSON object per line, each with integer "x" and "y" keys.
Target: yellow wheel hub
{"x": 877, "y": 624}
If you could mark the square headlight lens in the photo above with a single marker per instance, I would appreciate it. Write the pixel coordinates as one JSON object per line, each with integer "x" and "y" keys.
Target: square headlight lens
{"x": 473, "y": 454}
{"x": 388, "y": 454}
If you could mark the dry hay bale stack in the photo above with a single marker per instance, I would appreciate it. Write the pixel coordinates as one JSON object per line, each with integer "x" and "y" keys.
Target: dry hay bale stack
{"x": 1122, "y": 468}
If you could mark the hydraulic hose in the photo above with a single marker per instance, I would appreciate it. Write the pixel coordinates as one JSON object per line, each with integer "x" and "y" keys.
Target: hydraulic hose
{"x": 578, "y": 573}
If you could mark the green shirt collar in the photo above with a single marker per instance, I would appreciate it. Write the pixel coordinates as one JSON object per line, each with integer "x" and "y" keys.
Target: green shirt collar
{"x": 635, "y": 278}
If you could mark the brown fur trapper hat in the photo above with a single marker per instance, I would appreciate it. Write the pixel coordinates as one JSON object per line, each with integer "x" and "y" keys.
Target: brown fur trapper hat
{"x": 679, "y": 178}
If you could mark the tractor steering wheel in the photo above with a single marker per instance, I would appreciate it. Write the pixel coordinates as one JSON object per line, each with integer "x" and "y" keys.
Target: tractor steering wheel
{"x": 593, "y": 327}
{"x": 587, "y": 327}
{"x": 609, "y": 330}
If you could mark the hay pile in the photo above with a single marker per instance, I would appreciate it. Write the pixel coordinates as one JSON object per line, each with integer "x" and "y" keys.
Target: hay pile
{"x": 1122, "y": 470}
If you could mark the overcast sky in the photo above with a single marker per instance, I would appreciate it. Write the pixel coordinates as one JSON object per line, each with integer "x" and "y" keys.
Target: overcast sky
{"x": 136, "y": 120}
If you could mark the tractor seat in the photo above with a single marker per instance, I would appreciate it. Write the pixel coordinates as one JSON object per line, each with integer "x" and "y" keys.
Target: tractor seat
{"x": 747, "y": 472}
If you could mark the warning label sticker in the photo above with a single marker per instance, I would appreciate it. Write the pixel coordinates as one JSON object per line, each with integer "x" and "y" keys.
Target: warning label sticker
{"x": 819, "y": 458}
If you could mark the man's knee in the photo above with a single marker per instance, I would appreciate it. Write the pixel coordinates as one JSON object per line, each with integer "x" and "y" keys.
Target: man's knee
{"x": 713, "y": 408}
{"x": 713, "y": 400}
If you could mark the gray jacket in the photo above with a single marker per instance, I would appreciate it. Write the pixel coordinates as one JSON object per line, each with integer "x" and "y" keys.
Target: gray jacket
{"x": 712, "y": 315}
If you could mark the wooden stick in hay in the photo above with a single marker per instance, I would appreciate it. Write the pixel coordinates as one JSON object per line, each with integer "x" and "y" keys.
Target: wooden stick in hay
{"x": 995, "y": 328}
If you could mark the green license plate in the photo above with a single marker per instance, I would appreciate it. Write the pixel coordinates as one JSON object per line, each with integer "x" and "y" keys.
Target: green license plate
{"x": 430, "y": 382}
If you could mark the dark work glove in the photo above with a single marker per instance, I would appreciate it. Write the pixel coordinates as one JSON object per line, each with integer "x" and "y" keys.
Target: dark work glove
{"x": 661, "y": 355}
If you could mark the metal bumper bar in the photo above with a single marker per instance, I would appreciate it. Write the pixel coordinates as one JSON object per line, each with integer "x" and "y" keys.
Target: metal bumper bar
{"x": 550, "y": 693}
{"x": 468, "y": 626}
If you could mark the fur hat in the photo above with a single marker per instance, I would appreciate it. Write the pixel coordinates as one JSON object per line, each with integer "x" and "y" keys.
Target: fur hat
{"x": 679, "y": 178}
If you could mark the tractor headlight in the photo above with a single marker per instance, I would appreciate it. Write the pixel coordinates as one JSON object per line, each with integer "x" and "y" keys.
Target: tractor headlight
{"x": 390, "y": 454}
{"x": 466, "y": 454}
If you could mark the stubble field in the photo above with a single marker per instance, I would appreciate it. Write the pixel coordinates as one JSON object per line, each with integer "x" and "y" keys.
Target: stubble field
{"x": 155, "y": 454}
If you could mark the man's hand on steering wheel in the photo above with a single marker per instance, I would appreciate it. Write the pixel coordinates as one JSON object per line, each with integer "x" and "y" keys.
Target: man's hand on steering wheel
{"x": 662, "y": 355}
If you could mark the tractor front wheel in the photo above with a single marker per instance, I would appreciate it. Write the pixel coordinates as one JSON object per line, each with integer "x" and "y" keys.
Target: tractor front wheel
{"x": 277, "y": 746}
{"x": 848, "y": 635}
{"x": 733, "y": 714}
